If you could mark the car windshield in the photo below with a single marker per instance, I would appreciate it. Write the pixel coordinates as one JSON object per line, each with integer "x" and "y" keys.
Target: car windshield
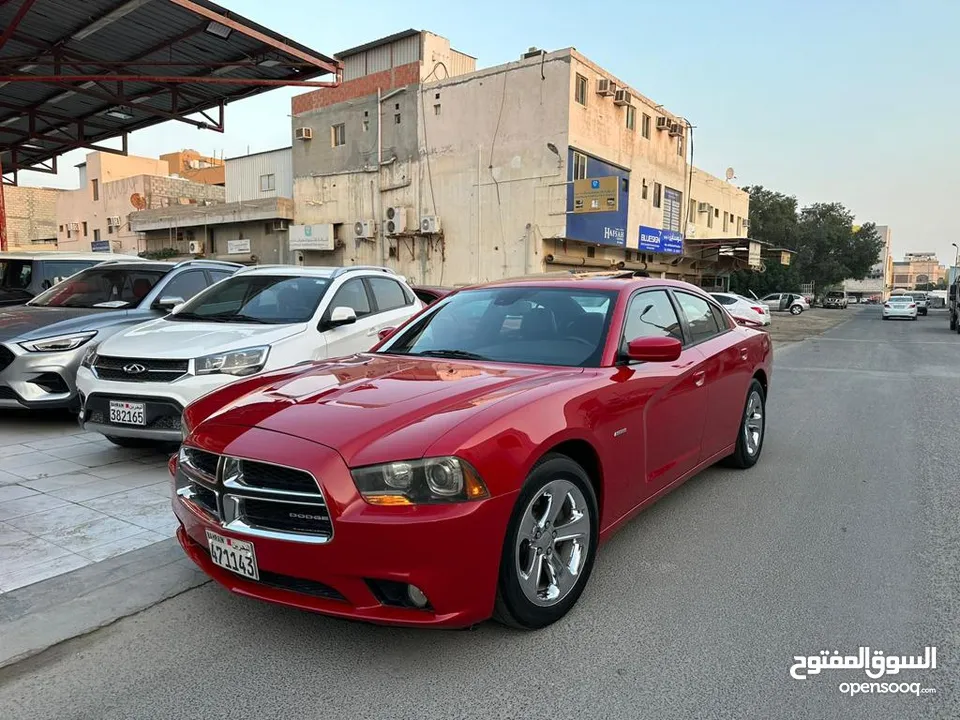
{"x": 100, "y": 287}
{"x": 834, "y": 294}
{"x": 519, "y": 324}
{"x": 263, "y": 299}
{"x": 15, "y": 274}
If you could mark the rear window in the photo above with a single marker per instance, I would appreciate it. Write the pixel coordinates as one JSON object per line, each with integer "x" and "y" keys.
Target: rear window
{"x": 834, "y": 294}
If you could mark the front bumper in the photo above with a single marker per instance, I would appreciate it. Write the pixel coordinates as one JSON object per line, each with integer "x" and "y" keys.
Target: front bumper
{"x": 891, "y": 313}
{"x": 38, "y": 380}
{"x": 450, "y": 552}
{"x": 164, "y": 404}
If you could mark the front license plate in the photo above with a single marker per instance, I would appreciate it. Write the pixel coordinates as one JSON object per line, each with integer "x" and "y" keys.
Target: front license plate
{"x": 236, "y": 556}
{"x": 128, "y": 413}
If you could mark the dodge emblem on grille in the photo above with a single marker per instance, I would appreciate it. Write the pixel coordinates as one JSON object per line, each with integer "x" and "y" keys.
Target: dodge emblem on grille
{"x": 134, "y": 369}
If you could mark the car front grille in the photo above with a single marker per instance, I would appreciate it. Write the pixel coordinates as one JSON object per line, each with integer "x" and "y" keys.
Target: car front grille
{"x": 6, "y": 357}
{"x": 254, "y": 497}
{"x": 120, "y": 369}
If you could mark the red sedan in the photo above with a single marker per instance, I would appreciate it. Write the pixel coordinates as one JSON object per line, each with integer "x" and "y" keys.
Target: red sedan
{"x": 470, "y": 464}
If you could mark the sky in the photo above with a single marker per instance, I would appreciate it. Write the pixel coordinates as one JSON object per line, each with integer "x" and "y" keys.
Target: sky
{"x": 850, "y": 101}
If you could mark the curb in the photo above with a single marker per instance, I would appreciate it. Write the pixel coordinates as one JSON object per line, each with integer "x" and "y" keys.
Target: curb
{"x": 37, "y": 617}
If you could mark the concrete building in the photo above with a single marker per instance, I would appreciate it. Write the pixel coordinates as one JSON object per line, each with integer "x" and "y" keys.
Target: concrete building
{"x": 31, "y": 216}
{"x": 112, "y": 187}
{"x": 879, "y": 281}
{"x": 918, "y": 269}
{"x": 453, "y": 174}
{"x": 250, "y": 227}
{"x": 191, "y": 165}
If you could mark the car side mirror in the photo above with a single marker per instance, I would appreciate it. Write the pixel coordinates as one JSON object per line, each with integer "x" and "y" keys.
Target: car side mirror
{"x": 654, "y": 349}
{"x": 385, "y": 333}
{"x": 342, "y": 315}
{"x": 169, "y": 302}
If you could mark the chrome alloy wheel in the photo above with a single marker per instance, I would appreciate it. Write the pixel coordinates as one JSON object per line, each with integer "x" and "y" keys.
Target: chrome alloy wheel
{"x": 753, "y": 423}
{"x": 552, "y": 542}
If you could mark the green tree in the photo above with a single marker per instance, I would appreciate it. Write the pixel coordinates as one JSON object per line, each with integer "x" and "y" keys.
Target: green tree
{"x": 829, "y": 251}
{"x": 773, "y": 219}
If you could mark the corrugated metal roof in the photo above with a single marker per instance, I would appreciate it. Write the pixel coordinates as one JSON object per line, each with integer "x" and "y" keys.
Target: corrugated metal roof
{"x": 376, "y": 43}
{"x": 142, "y": 42}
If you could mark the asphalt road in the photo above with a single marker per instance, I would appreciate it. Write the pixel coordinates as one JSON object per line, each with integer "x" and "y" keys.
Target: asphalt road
{"x": 845, "y": 535}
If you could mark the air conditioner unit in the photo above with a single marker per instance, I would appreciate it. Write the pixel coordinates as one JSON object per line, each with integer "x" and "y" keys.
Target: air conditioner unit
{"x": 663, "y": 123}
{"x": 676, "y": 129}
{"x": 303, "y": 133}
{"x": 364, "y": 228}
{"x": 75, "y": 227}
{"x": 395, "y": 220}
{"x": 622, "y": 97}
{"x": 430, "y": 225}
{"x": 196, "y": 247}
{"x": 113, "y": 221}
{"x": 281, "y": 225}
{"x": 606, "y": 87}
{"x": 703, "y": 207}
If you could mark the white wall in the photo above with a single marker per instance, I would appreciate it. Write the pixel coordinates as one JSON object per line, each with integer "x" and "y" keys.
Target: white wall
{"x": 243, "y": 175}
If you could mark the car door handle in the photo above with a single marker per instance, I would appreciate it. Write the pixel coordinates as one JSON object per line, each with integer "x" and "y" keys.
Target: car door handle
{"x": 680, "y": 366}
{"x": 699, "y": 377}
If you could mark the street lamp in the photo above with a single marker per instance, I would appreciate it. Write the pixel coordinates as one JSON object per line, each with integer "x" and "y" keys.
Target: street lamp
{"x": 956, "y": 259}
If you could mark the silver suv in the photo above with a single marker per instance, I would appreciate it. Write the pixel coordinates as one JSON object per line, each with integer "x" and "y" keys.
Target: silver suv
{"x": 43, "y": 342}
{"x": 835, "y": 299}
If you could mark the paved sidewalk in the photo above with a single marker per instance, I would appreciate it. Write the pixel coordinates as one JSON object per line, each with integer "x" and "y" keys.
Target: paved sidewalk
{"x": 70, "y": 499}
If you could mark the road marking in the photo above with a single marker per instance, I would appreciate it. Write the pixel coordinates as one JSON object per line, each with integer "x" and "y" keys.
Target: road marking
{"x": 887, "y": 341}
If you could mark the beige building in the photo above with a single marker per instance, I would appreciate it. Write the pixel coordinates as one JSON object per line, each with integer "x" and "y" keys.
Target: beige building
{"x": 96, "y": 216}
{"x": 453, "y": 174}
{"x": 879, "y": 281}
{"x": 31, "y": 216}
{"x": 918, "y": 269}
{"x": 191, "y": 165}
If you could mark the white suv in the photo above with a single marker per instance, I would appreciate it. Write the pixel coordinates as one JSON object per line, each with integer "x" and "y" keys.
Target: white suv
{"x": 134, "y": 386}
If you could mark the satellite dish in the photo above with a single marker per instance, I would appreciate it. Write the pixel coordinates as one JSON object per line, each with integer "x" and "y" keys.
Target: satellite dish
{"x": 138, "y": 201}
{"x": 730, "y": 174}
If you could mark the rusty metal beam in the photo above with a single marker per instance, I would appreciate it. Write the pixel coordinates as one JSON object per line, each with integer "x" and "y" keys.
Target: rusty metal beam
{"x": 15, "y": 23}
{"x": 257, "y": 35}
{"x": 167, "y": 80}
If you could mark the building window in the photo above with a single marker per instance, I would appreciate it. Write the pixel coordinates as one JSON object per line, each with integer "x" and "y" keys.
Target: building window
{"x": 61, "y": 228}
{"x": 109, "y": 229}
{"x": 95, "y": 185}
{"x": 366, "y": 126}
{"x": 396, "y": 119}
{"x": 739, "y": 225}
{"x": 84, "y": 229}
{"x": 726, "y": 223}
{"x": 581, "y": 90}
{"x": 657, "y": 194}
{"x": 579, "y": 166}
{"x": 709, "y": 218}
{"x": 436, "y": 109}
{"x": 680, "y": 146}
{"x": 716, "y": 212}
{"x": 591, "y": 251}
{"x": 643, "y": 190}
{"x": 645, "y": 126}
{"x": 338, "y": 135}
{"x": 631, "y": 117}
{"x": 96, "y": 235}
{"x": 268, "y": 183}
{"x": 692, "y": 210}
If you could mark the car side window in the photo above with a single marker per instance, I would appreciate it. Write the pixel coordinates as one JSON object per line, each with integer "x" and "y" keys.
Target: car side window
{"x": 56, "y": 271}
{"x": 352, "y": 294}
{"x": 388, "y": 294}
{"x": 218, "y": 275}
{"x": 721, "y": 319}
{"x": 699, "y": 315}
{"x": 651, "y": 314}
{"x": 185, "y": 285}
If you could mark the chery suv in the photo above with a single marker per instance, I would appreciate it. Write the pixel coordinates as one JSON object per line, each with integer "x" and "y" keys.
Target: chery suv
{"x": 135, "y": 386}
{"x": 43, "y": 342}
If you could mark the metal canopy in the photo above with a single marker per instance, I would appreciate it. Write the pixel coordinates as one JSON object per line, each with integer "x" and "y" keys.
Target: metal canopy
{"x": 74, "y": 74}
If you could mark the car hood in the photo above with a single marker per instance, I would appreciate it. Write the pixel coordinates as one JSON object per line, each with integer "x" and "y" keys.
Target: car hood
{"x": 27, "y": 322}
{"x": 377, "y": 408}
{"x": 167, "y": 338}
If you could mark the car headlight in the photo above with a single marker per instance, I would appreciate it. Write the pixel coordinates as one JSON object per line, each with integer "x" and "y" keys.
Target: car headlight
{"x": 89, "y": 358}
{"x": 236, "y": 362}
{"x": 415, "y": 482}
{"x": 58, "y": 343}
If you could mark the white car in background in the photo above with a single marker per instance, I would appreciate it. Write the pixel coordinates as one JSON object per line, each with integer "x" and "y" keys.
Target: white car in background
{"x": 135, "y": 385}
{"x": 743, "y": 308}
{"x": 793, "y": 303}
{"x": 902, "y": 306}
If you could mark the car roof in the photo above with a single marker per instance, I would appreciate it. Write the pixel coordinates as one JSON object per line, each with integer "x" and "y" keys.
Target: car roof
{"x": 624, "y": 280}
{"x": 319, "y": 271}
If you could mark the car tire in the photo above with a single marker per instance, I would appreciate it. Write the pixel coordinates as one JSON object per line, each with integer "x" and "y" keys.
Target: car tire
{"x": 531, "y": 543}
{"x": 795, "y": 309}
{"x": 752, "y": 421}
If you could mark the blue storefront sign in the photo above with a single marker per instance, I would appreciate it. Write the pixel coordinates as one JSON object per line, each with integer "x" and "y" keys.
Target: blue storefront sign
{"x": 660, "y": 241}
{"x": 100, "y": 246}
{"x": 603, "y": 223}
